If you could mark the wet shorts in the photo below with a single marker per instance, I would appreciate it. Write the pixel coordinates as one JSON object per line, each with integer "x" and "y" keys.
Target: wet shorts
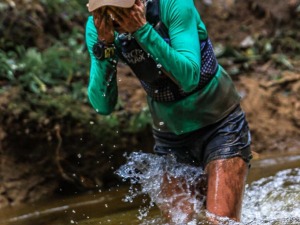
{"x": 227, "y": 138}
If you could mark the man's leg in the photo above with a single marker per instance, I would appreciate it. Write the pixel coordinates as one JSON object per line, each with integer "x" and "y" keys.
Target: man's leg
{"x": 178, "y": 199}
{"x": 181, "y": 201}
{"x": 226, "y": 183}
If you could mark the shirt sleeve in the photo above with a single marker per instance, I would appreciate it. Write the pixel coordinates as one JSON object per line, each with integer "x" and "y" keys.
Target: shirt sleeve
{"x": 102, "y": 87}
{"x": 181, "y": 59}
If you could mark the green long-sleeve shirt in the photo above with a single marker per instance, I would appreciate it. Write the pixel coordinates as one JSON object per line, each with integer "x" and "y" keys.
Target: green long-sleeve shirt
{"x": 182, "y": 60}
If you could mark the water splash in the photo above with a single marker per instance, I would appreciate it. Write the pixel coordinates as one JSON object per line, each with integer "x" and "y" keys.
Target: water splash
{"x": 273, "y": 200}
{"x": 153, "y": 172}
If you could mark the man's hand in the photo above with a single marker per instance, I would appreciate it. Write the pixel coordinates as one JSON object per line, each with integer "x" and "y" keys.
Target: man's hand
{"x": 103, "y": 25}
{"x": 130, "y": 20}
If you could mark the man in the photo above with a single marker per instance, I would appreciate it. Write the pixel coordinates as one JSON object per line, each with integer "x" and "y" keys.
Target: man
{"x": 192, "y": 100}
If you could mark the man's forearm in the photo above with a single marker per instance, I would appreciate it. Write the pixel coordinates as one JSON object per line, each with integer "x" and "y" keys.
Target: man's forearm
{"x": 102, "y": 89}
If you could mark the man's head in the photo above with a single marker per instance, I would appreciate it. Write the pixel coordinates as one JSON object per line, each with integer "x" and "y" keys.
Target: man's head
{"x": 95, "y": 4}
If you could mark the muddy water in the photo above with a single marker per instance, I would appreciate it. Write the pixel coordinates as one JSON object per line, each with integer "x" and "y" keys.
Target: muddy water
{"x": 272, "y": 197}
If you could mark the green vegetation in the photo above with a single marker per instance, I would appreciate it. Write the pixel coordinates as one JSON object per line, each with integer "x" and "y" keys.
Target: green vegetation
{"x": 52, "y": 71}
{"x": 51, "y": 79}
{"x": 63, "y": 63}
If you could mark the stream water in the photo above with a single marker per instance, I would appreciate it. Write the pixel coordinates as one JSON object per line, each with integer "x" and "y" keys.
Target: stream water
{"x": 272, "y": 197}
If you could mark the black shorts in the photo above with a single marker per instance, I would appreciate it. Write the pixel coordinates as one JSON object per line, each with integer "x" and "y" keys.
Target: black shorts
{"x": 227, "y": 138}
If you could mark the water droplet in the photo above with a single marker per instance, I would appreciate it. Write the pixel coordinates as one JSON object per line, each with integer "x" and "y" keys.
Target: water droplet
{"x": 149, "y": 170}
{"x": 73, "y": 211}
{"x": 92, "y": 122}
{"x": 158, "y": 66}
{"x": 161, "y": 123}
{"x": 156, "y": 91}
{"x": 106, "y": 206}
{"x": 79, "y": 156}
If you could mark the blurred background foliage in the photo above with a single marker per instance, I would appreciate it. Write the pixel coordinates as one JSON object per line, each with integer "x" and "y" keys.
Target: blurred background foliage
{"x": 43, "y": 55}
{"x": 46, "y": 121}
{"x": 57, "y": 58}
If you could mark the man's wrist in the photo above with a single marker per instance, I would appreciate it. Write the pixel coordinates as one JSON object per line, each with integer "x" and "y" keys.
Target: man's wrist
{"x": 102, "y": 50}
